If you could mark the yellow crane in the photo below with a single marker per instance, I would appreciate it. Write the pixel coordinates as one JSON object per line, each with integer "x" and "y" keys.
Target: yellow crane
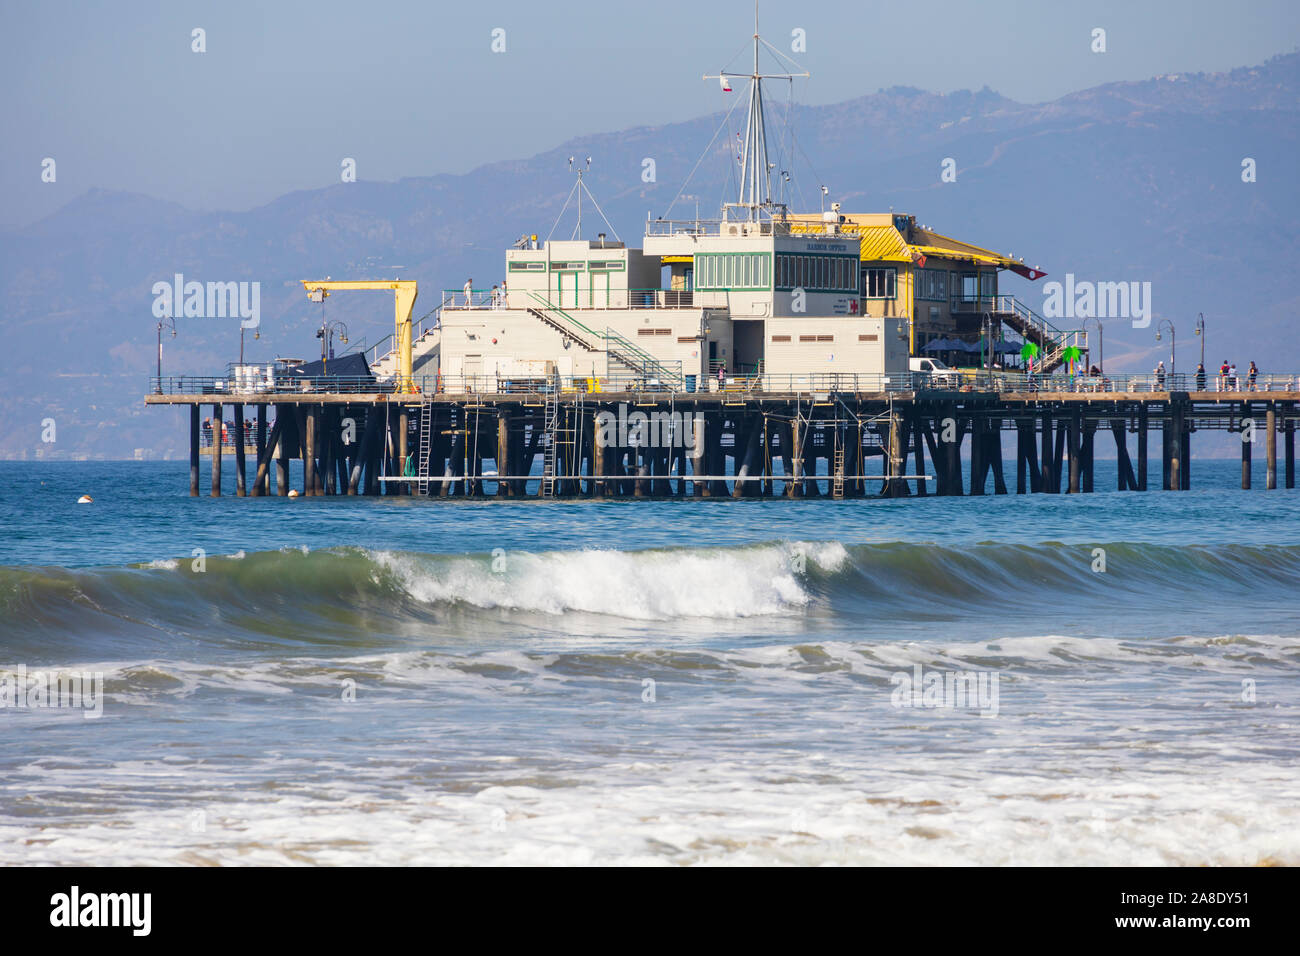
{"x": 404, "y": 293}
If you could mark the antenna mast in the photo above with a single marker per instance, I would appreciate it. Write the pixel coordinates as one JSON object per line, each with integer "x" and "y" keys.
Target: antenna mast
{"x": 579, "y": 187}
{"x": 755, "y": 171}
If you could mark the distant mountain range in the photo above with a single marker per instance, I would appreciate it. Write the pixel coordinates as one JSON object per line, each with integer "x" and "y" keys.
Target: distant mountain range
{"x": 1127, "y": 181}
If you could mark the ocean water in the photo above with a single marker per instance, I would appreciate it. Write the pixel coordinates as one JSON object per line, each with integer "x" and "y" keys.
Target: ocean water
{"x": 389, "y": 681}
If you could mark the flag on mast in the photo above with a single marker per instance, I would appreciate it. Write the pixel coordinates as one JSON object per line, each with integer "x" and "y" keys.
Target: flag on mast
{"x": 726, "y": 84}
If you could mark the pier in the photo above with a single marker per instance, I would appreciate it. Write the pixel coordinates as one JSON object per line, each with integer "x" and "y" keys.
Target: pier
{"x": 845, "y": 436}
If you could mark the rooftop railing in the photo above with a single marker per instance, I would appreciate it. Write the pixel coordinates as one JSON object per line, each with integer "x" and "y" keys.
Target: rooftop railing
{"x": 584, "y": 299}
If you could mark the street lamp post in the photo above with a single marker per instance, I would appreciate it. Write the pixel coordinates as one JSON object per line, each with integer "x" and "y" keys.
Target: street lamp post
{"x": 1101, "y": 358}
{"x": 1200, "y": 331}
{"x": 326, "y": 335}
{"x": 164, "y": 323}
{"x": 1173, "y": 341}
{"x": 988, "y": 340}
{"x": 257, "y": 334}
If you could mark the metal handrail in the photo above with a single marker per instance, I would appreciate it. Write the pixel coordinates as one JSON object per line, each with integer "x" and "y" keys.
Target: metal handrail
{"x": 418, "y": 329}
{"x": 551, "y": 307}
{"x": 377, "y": 357}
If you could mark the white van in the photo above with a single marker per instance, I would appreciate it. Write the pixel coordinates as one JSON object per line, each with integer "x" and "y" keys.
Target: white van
{"x": 937, "y": 373}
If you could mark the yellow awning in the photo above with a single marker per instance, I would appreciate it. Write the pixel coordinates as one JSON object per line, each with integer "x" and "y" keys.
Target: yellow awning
{"x": 882, "y": 243}
{"x": 671, "y": 259}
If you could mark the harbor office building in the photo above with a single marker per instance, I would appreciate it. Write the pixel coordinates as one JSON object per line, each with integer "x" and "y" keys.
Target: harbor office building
{"x": 787, "y": 296}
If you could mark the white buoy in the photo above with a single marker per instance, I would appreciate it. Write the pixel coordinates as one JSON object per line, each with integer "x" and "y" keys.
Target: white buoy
{"x": 85, "y": 500}
{"x": 293, "y": 492}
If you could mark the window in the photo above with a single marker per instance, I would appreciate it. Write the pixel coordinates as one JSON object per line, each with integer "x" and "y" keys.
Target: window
{"x": 816, "y": 273}
{"x": 868, "y": 337}
{"x": 969, "y": 289}
{"x": 879, "y": 283}
{"x": 817, "y": 338}
{"x": 613, "y": 265}
{"x": 988, "y": 284}
{"x": 780, "y": 338}
{"x": 733, "y": 270}
{"x": 932, "y": 284}
{"x": 527, "y": 266}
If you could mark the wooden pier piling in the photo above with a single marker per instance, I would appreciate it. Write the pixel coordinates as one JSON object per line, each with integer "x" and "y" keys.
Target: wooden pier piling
{"x": 218, "y": 425}
{"x": 194, "y": 451}
{"x": 1247, "y": 440}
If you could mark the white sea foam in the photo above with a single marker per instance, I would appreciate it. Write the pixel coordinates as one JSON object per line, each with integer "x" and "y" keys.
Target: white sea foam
{"x": 757, "y": 753}
{"x": 642, "y": 585}
{"x": 760, "y": 810}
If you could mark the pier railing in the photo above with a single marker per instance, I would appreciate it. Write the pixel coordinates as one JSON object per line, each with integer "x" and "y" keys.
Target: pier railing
{"x": 952, "y": 380}
{"x": 278, "y": 385}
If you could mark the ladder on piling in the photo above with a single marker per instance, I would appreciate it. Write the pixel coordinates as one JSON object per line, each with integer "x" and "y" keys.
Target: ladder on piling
{"x": 837, "y": 484}
{"x": 426, "y": 441}
{"x": 550, "y": 420}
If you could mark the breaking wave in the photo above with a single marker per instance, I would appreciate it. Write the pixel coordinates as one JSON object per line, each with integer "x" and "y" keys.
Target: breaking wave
{"x": 341, "y": 595}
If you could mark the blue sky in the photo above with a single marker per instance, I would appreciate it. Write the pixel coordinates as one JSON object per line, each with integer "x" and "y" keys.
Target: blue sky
{"x": 113, "y": 92}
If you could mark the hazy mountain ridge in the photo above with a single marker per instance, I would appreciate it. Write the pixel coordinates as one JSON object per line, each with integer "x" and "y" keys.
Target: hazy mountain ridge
{"x": 1131, "y": 180}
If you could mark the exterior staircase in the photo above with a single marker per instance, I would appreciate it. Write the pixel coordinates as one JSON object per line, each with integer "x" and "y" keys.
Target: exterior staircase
{"x": 632, "y": 356}
{"x": 617, "y": 348}
{"x": 425, "y": 348}
{"x": 1051, "y": 341}
{"x": 562, "y": 322}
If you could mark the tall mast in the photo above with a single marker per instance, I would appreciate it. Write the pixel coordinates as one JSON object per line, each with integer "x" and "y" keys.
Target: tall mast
{"x": 755, "y": 172}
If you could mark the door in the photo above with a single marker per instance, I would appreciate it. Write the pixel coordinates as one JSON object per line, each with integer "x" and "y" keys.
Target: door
{"x": 600, "y": 290}
{"x": 566, "y": 290}
{"x": 471, "y": 367}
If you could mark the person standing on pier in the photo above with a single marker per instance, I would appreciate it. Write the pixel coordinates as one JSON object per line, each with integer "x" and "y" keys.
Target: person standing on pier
{"x": 496, "y": 297}
{"x": 1160, "y": 376}
{"x": 1200, "y": 376}
{"x": 207, "y": 431}
{"x": 1232, "y": 377}
{"x": 1252, "y": 373}
{"x": 1223, "y": 376}
{"x": 469, "y": 293}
